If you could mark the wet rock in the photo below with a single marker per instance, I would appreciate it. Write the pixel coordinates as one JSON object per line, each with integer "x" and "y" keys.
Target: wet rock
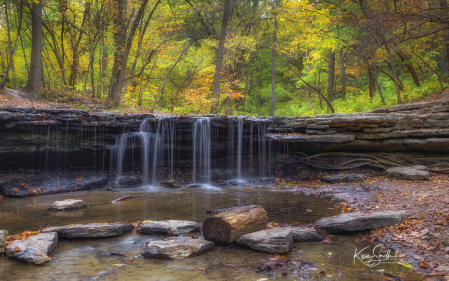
{"x": 91, "y": 230}
{"x": 128, "y": 181}
{"x": 42, "y": 186}
{"x": 169, "y": 184}
{"x": 66, "y": 205}
{"x": 343, "y": 178}
{"x": 276, "y": 240}
{"x": 35, "y": 249}
{"x": 443, "y": 268}
{"x": 407, "y": 173}
{"x": 3, "y": 237}
{"x": 176, "y": 248}
{"x": 348, "y": 222}
{"x": 303, "y": 234}
{"x": 5, "y": 116}
{"x": 171, "y": 227}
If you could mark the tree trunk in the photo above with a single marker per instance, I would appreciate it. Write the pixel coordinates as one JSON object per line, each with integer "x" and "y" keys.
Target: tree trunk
{"x": 33, "y": 87}
{"x": 371, "y": 82}
{"x": 10, "y": 49}
{"x": 409, "y": 67}
{"x": 273, "y": 61}
{"x": 223, "y": 229}
{"x": 401, "y": 87}
{"x": 227, "y": 13}
{"x": 122, "y": 53}
{"x": 343, "y": 74}
{"x": 331, "y": 77}
{"x": 395, "y": 75}
{"x": 376, "y": 81}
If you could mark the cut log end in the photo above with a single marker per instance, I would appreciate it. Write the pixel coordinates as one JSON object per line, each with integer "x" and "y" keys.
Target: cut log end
{"x": 224, "y": 228}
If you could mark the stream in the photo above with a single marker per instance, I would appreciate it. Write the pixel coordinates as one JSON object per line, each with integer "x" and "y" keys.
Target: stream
{"x": 104, "y": 259}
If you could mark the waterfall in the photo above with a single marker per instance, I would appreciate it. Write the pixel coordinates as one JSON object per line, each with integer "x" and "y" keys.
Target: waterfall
{"x": 120, "y": 149}
{"x": 240, "y": 122}
{"x": 201, "y": 147}
{"x": 145, "y": 146}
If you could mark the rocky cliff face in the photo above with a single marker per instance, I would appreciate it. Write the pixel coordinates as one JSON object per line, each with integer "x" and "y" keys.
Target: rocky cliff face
{"x": 56, "y": 139}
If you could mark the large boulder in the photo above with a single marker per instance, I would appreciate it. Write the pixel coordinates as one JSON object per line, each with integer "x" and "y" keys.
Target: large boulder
{"x": 348, "y": 222}
{"x": 276, "y": 240}
{"x": 224, "y": 228}
{"x": 303, "y": 234}
{"x": 66, "y": 205}
{"x": 407, "y": 173}
{"x": 35, "y": 249}
{"x": 91, "y": 230}
{"x": 170, "y": 228}
{"x": 177, "y": 248}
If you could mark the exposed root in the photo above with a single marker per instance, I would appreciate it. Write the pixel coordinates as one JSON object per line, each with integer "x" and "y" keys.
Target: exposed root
{"x": 358, "y": 160}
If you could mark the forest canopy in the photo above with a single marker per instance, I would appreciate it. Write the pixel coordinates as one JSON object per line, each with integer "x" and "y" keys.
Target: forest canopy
{"x": 235, "y": 57}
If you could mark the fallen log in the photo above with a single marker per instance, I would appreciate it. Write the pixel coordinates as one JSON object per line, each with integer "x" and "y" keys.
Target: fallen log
{"x": 224, "y": 228}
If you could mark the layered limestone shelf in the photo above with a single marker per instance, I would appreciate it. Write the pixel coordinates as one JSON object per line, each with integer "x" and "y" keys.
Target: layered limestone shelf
{"x": 411, "y": 127}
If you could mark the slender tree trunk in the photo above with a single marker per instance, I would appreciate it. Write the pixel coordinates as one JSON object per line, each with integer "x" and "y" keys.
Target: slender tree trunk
{"x": 10, "y": 49}
{"x": 227, "y": 13}
{"x": 122, "y": 53}
{"x": 371, "y": 82}
{"x": 318, "y": 86}
{"x": 273, "y": 61}
{"x": 331, "y": 77}
{"x": 401, "y": 87}
{"x": 376, "y": 81}
{"x": 428, "y": 65}
{"x": 33, "y": 87}
{"x": 395, "y": 75}
{"x": 343, "y": 74}
{"x": 409, "y": 67}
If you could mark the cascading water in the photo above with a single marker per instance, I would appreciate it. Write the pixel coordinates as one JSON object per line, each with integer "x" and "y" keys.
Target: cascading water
{"x": 159, "y": 137}
{"x": 240, "y": 122}
{"x": 201, "y": 147}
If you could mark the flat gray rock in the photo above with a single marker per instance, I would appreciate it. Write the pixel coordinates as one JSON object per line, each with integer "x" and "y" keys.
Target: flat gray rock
{"x": 170, "y": 228}
{"x": 35, "y": 249}
{"x": 276, "y": 240}
{"x": 343, "y": 178}
{"x": 348, "y": 222}
{"x": 91, "y": 230}
{"x": 176, "y": 248}
{"x": 67, "y": 205}
{"x": 303, "y": 234}
{"x": 407, "y": 173}
{"x": 3, "y": 236}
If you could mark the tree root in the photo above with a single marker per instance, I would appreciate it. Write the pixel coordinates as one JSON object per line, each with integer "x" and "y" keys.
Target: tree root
{"x": 359, "y": 160}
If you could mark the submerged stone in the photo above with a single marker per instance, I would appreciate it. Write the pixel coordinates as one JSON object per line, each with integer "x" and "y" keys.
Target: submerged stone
{"x": 348, "y": 222}
{"x": 408, "y": 173}
{"x": 169, "y": 184}
{"x": 91, "y": 230}
{"x": 276, "y": 240}
{"x": 35, "y": 249}
{"x": 171, "y": 227}
{"x": 303, "y": 234}
{"x": 66, "y": 205}
{"x": 343, "y": 178}
{"x": 176, "y": 248}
